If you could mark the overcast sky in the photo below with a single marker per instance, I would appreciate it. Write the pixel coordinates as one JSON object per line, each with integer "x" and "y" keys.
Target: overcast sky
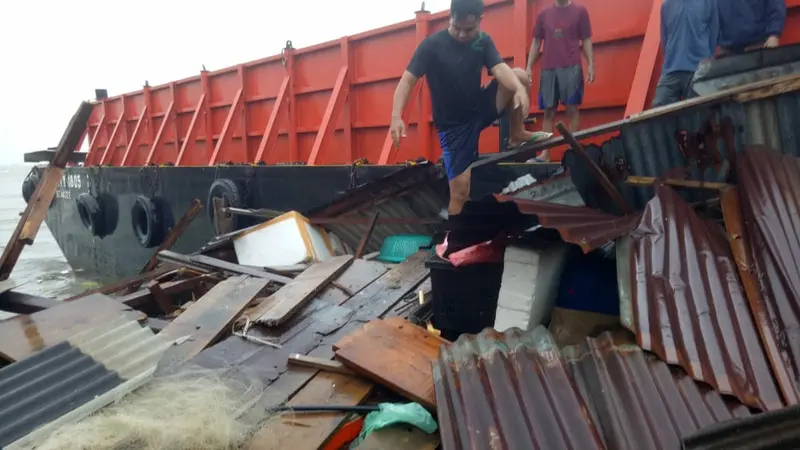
{"x": 54, "y": 53}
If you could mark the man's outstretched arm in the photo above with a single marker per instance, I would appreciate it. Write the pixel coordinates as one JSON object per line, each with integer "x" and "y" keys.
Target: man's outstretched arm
{"x": 401, "y": 93}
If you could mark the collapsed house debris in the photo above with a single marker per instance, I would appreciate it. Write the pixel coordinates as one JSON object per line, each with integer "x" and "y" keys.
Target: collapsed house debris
{"x": 650, "y": 304}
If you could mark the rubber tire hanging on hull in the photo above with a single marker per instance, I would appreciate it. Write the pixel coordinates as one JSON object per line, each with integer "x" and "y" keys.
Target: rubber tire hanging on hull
{"x": 92, "y": 215}
{"x": 151, "y": 219}
{"x": 228, "y": 190}
{"x": 29, "y": 187}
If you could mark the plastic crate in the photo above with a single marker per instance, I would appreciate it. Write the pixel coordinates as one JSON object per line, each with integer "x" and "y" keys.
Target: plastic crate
{"x": 396, "y": 249}
{"x": 464, "y": 298}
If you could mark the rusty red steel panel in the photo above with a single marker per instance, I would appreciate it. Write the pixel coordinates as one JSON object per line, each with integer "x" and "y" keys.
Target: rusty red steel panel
{"x": 769, "y": 186}
{"x": 580, "y": 225}
{"x": 516, "y": 390}
{"x": 681, "y": 295}
{"x": 509, "y": 391}
{"x": 637, "y": 400}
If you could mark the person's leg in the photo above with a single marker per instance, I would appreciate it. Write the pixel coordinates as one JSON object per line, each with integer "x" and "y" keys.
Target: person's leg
{"x": 668, "y": 90}
{"x": 459, "y": 151}
{"x": 548, "y": 103}
{"x": 570, "y": 83}
{"x": 517, "y": 134}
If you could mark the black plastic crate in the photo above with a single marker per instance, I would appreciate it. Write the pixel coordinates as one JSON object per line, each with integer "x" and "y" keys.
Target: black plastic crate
{"x": 464, "y": 298}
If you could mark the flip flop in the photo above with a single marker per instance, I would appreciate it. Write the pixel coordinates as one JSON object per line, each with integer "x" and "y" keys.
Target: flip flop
{"x": 537, "y": 136}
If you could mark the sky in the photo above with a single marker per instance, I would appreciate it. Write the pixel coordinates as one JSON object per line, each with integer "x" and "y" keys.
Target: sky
{"x": 54, "y": 53}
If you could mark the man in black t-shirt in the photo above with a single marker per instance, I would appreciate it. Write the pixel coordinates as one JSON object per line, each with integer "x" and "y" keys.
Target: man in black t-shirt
{"x": 453, "y": 60}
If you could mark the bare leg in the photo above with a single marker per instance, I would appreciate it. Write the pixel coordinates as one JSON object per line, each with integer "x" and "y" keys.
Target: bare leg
{"x": 459, "y": 192}
{"x": 574, "y": 118}
{"x": 517, "y": 132}
{"x": 547, "y": 126}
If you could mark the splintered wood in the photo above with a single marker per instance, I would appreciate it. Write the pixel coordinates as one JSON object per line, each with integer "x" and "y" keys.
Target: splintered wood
{"x": 209, "y": 317}
{"x": 312, "y": 430}
{"x": 280, "y": 306}
{"x": 395, "y": 354}
{"x": 39, "y": 203}
{"x": 22, "y": 336}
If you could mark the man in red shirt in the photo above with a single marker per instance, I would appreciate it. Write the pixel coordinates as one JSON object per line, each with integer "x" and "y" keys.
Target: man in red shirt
{"x": 566, "y": 32}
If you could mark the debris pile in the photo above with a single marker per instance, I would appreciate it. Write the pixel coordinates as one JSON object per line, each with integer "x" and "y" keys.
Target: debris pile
{"x": 565, "y": 313}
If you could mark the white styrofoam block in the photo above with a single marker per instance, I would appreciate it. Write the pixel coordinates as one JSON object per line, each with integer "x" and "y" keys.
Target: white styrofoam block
{"x": 510, "y": 318}
{"x": 284, "y": 241}
{"x": 530, "y": 285}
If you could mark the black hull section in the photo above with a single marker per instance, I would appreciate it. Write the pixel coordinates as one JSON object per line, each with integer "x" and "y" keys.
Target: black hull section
{"x": 119, "y": 254}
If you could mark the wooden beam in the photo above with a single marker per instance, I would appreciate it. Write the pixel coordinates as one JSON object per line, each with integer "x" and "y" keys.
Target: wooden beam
{"x": 36, "y": 210}
{"x": 280, "y": 306}
{"x": 218, "y": 264}
{"x": 649, "y": 181}
{"x": 328, "y": 365}
{"x": 174, "y": 234}
{"x": 596, "y": 171}
{"x": 213, "y": 314}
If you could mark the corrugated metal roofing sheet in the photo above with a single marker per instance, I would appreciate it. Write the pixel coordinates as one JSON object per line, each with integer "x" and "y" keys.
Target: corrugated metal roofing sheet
{"x": 769, "y": 185}
{"x": 637, "y": 400}
{"x": 589, "y": 228}
{"x": 417, "y": 191}
{"x": 559, "y": 189}
{"x": 680, "y": 293}
{"x": 757, "y": 109}
{"x": 61, "y": 378}
{"x": 517, "y": 391}
{"x": 509, "y": 391}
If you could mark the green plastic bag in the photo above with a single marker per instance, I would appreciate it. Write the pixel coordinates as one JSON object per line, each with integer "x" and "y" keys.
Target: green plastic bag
{"x": 394, "y": 413}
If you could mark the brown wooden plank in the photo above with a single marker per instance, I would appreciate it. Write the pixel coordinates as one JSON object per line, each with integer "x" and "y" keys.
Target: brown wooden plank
{"x": 116, "y": 287}
{"x": 400, "y": 437}
{"x": 312, "y": 430}
{"x": 395, "y": 354}
{"x": 212, "y": 314}
{"x": 144, "y": 296}
{"x": 362, "y": 245}
{"x": 280, "y": 306}
{"x": 218, "y": 264}
{"x": 21, "y": 336}
{"x": 36, "y": 210}
{"x": 326, "y": 365}
{"x": 21, "y": 303}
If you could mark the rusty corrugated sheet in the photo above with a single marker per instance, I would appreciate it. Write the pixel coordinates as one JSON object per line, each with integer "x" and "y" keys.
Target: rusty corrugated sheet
{"x": 516, "y": 391}
{"x": 680, "y": 293}
{"x": 418, "y": 191}
{"x": 559, "y": 189}
{"x": 769, "y": 186}
{"x": 60, "y": 381}
{"x": 509, "y": 391}
{"x": 638, "y": 401}
{"x": 586, "y": 227}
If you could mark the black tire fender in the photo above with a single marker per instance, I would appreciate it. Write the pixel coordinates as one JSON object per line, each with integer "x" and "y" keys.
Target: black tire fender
{"x": 91, "y": 213}
{"x": 227, "y": 189}
{"x": 29, "y": 186}
{"x": 151, "y": 220}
